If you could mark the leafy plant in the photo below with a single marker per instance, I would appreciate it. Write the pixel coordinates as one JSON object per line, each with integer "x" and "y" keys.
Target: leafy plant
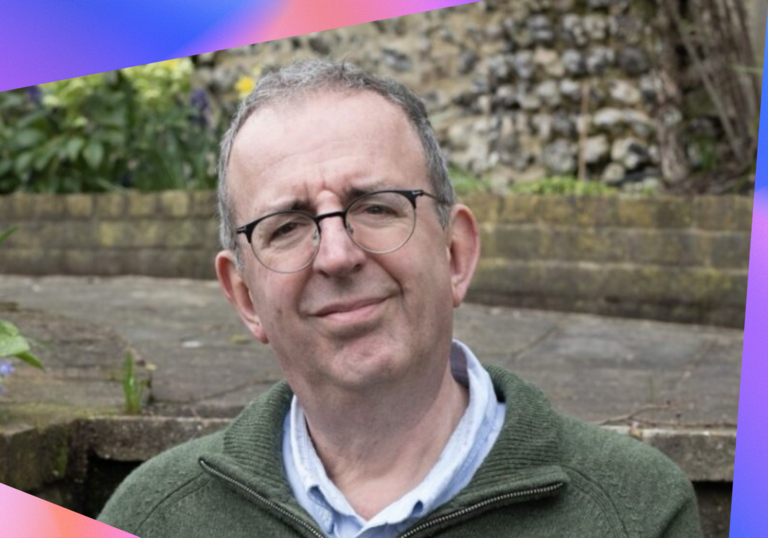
{"x": 7, "y": 233}
{"x": 465, "y": 182}
{"x": 140, "y": 127}
{"x": 563, "y": 185}
{"x": 706, "y": 48}
{"x": 12, "y": 343}
{"x": 133, "y": 388}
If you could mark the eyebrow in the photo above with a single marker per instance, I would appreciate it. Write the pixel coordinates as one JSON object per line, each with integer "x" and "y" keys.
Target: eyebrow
{"x": 356, "y": 191}
{"x": 290, "y": 204}
{"x": 299, "y": 204}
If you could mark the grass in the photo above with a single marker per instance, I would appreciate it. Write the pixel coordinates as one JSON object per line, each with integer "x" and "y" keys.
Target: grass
{"x": 466, "y": 183}
{"x": 133, "y": 388}
{"x": 564, "y": 186}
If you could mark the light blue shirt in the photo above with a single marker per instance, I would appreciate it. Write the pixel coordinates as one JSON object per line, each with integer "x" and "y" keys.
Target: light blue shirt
{"x": 466, "y": 449}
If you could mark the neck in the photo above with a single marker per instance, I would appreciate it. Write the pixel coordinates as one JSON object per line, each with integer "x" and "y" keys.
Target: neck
{"x": 379, "y": 444}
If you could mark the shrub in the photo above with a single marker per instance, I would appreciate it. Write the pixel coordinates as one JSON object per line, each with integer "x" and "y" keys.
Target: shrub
{"x": 142, "y": 127}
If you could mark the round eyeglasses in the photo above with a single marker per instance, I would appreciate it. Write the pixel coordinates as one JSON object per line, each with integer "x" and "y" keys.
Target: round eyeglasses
{"x": 378, "y": 222}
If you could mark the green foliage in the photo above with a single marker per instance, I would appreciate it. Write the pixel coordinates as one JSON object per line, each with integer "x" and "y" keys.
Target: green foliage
{"x": 465, "y": 182}
{"x": 12, "y": 343}
{"x": 7, "y": 233}
{"x": 707, "y": 149}
{"x": 139, "y": 127}
{"x": 133, "y": 388}
{"x": 564, "y": 186}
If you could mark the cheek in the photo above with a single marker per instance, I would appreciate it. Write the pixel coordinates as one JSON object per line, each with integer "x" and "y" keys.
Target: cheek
{"x": 431, "y": 277}
{"x": 277, "y": 299}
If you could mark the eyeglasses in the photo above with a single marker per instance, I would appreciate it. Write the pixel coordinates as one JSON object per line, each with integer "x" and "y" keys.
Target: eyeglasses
{"x": 378, "y": 222}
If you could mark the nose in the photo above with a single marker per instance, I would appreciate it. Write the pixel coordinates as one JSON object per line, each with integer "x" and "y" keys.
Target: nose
{"x": 338, "y": 254}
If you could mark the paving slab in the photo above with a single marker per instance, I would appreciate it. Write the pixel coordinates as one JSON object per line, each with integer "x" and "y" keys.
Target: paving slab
{"x": 203, "y": 362}
{"x": 673, "y": 386}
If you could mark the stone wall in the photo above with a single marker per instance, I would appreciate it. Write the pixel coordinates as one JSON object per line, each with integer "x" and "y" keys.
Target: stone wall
{"x": 671, "y": 258}
{"x": 171, "y": 234}
{"x": 78, "y": 465}
{"x": 506, "y": 83}
{"x": 666, "y": 258}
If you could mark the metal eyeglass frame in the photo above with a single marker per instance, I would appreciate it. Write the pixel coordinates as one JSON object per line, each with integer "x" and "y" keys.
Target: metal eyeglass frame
{"x": 410, "y": 194}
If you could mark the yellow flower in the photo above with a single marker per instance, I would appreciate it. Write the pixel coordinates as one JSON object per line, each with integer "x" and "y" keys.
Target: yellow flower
{"x": 51, "y": 101}
{"x": 244, "y": 86}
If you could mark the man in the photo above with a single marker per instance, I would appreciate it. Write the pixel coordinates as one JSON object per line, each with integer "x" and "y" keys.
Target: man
{"x": 345, "y": 250}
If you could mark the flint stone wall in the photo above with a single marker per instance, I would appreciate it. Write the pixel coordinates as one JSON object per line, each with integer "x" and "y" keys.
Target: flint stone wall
{"x": 666, "y": 258}
{"x": 506, "y": 83}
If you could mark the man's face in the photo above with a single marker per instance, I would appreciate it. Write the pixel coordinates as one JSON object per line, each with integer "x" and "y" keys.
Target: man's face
{"x": 351, "y": 319}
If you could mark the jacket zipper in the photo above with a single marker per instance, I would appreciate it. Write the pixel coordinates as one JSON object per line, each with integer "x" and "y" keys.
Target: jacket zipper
{"x": 262, "y": 499}
{"x": 482, "y": 504}
{"x": 407, "y": 534}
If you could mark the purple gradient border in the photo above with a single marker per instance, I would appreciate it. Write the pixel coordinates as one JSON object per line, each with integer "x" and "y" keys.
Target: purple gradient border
{"x": 42, "y": 41}
{"x": 749, "y": 517}
{"x": 57, "y": 39}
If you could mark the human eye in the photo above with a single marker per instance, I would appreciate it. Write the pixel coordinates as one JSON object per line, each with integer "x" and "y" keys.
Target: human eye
{"x": 379, "y": 206}
{"x": 282, "y": 230}
{"x": 285, "y": 230}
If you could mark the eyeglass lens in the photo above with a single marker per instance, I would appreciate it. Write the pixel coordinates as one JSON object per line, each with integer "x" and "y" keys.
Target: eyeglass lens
{"x": 378, "y": 223}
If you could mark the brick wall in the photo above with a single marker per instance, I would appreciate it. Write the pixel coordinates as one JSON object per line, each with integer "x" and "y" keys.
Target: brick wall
{"x": 171, "y": 234}
{"x": 672, "y": 259}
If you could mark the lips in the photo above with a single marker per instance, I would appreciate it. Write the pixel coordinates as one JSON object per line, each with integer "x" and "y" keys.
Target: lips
{"x": 348, "y": 307}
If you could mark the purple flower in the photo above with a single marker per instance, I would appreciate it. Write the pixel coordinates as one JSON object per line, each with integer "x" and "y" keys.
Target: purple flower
{"x": 6, "y": 369}
{"x": 199, "y": 101}
{"x": 35, "y": 95}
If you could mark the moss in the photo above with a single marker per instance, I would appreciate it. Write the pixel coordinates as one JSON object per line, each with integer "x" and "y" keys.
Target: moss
{"x": 34, "y": 456}
{"x": 174, "y": 203}
{"x": 41, "y": 416}
{"x": 564, "y": 185}
{"x": 465, "y": 182}
{"x": 110, "y": 206}
{"x": 61, "y": 462}
{"x": 79, "y": 205}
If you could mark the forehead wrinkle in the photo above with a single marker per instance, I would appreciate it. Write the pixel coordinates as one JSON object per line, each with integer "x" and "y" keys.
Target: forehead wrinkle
{"x": 296, "y": 203}
{"x": 361, "y": 175}
{"x": 253, "y": 162}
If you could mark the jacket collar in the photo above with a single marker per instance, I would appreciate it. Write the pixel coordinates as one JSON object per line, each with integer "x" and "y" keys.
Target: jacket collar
{"x": 524, "y": 457}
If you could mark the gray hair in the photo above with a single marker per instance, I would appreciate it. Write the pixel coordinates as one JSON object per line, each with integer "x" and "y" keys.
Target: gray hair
{"x": 302, "y": 79}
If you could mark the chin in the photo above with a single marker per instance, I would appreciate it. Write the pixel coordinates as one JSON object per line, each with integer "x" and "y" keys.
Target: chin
{"x": 367, "y": 368}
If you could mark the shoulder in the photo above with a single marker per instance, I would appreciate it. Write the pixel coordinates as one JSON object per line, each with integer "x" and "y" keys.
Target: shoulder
{"x": 171, "y": 475}
{"x": 648, "y": 492}
{"x": 629, "y": 484}
{"x": 588, "y": 444}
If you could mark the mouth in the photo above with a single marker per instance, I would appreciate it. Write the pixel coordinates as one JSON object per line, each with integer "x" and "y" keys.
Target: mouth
{"x": 350, "y": 312}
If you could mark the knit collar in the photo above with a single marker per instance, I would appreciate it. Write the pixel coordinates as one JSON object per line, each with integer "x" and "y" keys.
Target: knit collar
{"x": 525, "y": 456}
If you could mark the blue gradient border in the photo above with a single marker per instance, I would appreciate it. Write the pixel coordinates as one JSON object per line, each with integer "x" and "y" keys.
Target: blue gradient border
{"x": 749, "y": 516}
{"x": 46, "y": 40}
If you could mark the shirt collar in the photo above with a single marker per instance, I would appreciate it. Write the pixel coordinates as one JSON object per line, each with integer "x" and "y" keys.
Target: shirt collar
{"x": 439, "y": 484}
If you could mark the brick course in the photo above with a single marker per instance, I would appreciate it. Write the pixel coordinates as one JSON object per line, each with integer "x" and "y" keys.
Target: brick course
{"x": 668, "y": 258}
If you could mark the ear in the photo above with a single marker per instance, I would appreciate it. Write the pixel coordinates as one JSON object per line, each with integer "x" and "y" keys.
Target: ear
{"x": 237, "y": 292}
{"x": 464, "y": 250}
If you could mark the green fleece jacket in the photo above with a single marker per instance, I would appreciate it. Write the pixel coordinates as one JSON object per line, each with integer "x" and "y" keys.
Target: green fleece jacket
{"x": 547, "y": 475}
